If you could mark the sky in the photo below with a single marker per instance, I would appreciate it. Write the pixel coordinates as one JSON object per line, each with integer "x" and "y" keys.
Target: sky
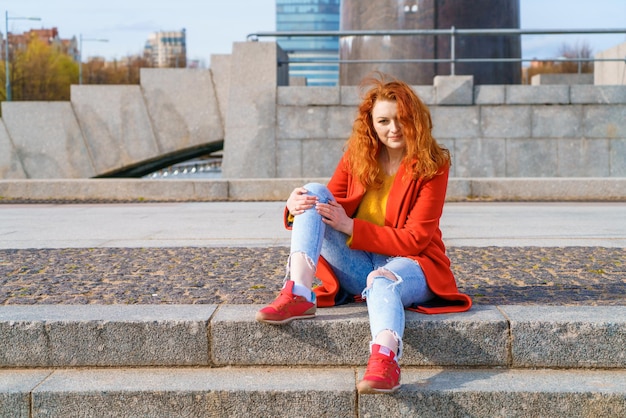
{"x": 213, "y": 25}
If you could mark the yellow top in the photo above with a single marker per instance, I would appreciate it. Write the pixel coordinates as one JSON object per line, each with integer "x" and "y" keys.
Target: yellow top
{"x": 373, "y": 206}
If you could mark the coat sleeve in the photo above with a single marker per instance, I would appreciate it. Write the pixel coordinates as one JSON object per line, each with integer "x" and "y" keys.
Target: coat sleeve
{"x": 412, "y": 221}
{"x": 345, "y": 188}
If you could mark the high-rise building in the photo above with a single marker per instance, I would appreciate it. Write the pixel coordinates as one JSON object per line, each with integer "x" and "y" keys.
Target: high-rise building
{"x": 167, "y": 49}
{"x": 430, "y": 14}
{"x": 310, "y": 15}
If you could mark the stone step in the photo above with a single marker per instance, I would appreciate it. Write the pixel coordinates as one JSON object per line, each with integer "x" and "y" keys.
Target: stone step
{"x": 550, "y": 189}
{"x": 509, "y": 336}
{"x": 323, "y": 392}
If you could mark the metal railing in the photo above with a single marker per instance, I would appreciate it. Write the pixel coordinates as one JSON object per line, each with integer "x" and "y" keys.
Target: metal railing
{"x": 452, "y": 33}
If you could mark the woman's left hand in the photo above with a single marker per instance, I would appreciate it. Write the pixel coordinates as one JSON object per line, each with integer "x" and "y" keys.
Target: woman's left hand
{"x": 334, "y": 214}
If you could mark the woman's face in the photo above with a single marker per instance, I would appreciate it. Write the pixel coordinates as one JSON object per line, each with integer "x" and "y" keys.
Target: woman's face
{"x": 387, "y": 125}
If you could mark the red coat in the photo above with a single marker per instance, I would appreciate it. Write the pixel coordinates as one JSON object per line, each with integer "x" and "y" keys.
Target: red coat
{"x": 411, "y": 229}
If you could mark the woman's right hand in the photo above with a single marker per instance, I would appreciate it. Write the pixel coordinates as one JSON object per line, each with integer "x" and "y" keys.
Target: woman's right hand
{"x": 299, "y": 201}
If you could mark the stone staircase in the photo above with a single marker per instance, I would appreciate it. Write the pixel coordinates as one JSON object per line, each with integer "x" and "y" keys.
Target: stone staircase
{"x": 216, "y": 360}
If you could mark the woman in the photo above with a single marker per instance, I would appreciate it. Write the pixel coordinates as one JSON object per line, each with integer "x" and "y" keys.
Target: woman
{"x": 374, "y": 230}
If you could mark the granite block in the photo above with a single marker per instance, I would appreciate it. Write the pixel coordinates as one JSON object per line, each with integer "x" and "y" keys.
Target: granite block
{"x": 250, "y": 139}
{"x": 340, "y": 336}
{"x": 583, "y": 157}
{"x": 340, "y": 121}
{"x": 602, "y": 121}
{"x": 201, "y": 392}
{"x": 426, "y": 94}
{"x": 220, "y": 71}
{"x": 300, "y": 122}
{"x": 15, "y": 389}
{"x": 458, "y": 190}
{"x": 568, "y": 336}
{"x": 10, "y": 164}
{"x": 454, "y": 90}
{"x": 115, "y": 124}
{"x": 308, "y": 96}
{"x": 479, "y": 337}
{"x": 119, "y": 189}
{"x": 531, "y": 158}
{"x": 617, "y": 156}
{"x": 336, "y": 336}
{"x": 610, "y": 72}
{"x": 480, "y": 157}
{"x": 48, "y": 140}
{"x": 270, "y": 189}
{"x": 502, "y": 393}
{"x": 183, "y": 107}
{"x": 557, "y": 121}
{"x": 598, "y": 94}
{"x": 455, "y": 121}
{"x": 601, "y": 189}
{"x": 106, "y": 335}
{"x": 489, "y": 95}
{"x": 525, "y": 95}
{"x": 289, "y": 158}
{"x": 450, "y": 144}
{"x": 321, "y": 156}
{"x": 350, "y": 95}
{"x": 505, "y": 121}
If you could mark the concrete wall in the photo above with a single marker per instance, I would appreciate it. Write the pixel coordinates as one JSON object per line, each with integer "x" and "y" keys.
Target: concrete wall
{"x": 611, "y": 72}
{"x": 275, "y": 131}
{"x": 492, "y": 131}
{"x": 107, "y": 128}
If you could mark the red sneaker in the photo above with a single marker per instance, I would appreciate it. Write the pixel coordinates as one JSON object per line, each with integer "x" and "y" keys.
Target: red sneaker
{"x": 383, "y": 372}
{"x": 287, "y": 307}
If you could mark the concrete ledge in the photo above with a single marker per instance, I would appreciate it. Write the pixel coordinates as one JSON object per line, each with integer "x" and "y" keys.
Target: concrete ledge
{"x": 15, "y": 389}
{"x": 104, "y": 335}
{"x": 169, "y": 335}
{"x": 606, "y": 189}
{"x": 545, "y": 189}
{"x": 503, "y": 393}
{"x": 570, "y": 337}
{"x": 280, "y": 392}
{"x": 340, "y": 336}
{"x": 196, "y": 393}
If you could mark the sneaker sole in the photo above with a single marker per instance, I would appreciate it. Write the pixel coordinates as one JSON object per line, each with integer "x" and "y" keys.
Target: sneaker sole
{"x": 283, "y": 321}
{"x": 366, "y": 389}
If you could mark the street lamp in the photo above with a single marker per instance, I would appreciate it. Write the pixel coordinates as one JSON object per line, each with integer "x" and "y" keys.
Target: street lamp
{"x": 80, "y": 54}
{"x": 6, "y": 49}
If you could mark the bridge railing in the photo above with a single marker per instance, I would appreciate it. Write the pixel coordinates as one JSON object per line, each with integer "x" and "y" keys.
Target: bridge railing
{"x": 452, "y": 33}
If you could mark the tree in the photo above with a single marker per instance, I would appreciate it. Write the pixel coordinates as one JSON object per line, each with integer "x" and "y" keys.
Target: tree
{"x": 559, "y": 65}
{"x": 125, "y": 71}
{"x": 42, "y": 72}
{"x": 583, "y": 51}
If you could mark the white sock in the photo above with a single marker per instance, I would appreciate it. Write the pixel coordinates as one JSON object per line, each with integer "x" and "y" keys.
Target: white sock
{"x": 303, "y": 291}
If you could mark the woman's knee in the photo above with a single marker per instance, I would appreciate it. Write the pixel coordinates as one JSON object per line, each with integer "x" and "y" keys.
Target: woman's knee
{"x": 380, "y": 272}
{"x": 318, "y": 189}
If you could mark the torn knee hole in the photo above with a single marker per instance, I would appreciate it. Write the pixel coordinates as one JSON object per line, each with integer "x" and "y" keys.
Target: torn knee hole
{"x": 380, "y": 272}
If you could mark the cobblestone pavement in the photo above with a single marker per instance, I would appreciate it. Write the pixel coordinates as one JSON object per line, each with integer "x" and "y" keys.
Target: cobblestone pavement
{"x": 192, "y": 275}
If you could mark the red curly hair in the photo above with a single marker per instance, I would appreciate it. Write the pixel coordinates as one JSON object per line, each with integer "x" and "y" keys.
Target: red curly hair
{"x": 424, "y": 157}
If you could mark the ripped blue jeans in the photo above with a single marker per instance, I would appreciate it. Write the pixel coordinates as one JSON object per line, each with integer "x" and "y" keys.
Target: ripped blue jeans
{"x": 386, "y": 298}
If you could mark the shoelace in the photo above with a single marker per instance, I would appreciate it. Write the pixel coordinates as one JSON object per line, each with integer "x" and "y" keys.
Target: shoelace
{"x": 380, "y": 367}
{"x": 284, "y": 299}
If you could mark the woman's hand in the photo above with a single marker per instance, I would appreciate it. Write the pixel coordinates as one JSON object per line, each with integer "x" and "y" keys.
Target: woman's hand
{"x": 299, "y": 201}
{"x": 334, "y": 214}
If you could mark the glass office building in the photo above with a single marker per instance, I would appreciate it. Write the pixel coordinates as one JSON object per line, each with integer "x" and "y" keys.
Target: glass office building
{"x": 312, "y": 58}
